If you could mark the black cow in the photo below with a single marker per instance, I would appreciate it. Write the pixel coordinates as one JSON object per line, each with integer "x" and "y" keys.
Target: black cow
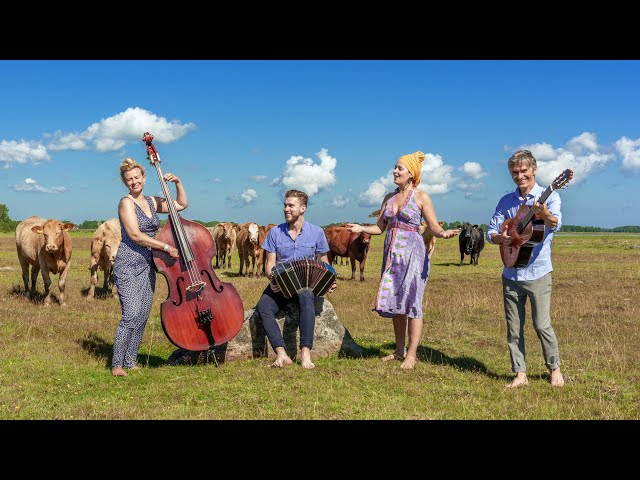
{"x": 471, "y": 242}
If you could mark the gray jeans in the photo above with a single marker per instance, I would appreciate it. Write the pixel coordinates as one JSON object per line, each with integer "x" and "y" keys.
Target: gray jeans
{"x": 515, "y": 297}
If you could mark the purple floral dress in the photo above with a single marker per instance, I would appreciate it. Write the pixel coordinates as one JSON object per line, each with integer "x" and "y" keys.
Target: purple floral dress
{"x": 405, "y": 266}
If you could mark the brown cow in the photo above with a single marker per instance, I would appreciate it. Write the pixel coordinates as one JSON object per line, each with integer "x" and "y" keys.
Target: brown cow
{"x": 104, "y": 248}
{"x": 46, "y": 246}
{"x": 224, "y": 234}
{"x": 249, "y": 243}
{"x": 344, "y": 243}
{"x": 429, "y": 239}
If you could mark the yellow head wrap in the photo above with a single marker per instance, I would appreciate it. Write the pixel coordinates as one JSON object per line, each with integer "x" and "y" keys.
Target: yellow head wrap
{"x": 413, "y": 162}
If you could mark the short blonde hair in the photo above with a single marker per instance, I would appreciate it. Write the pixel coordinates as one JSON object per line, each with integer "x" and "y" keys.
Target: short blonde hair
{"x": 129, "y": 164}
{"x": 523, "y": 156}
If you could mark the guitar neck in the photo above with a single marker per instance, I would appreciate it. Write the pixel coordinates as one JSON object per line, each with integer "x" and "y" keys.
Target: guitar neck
{"x": 529, "y": 216}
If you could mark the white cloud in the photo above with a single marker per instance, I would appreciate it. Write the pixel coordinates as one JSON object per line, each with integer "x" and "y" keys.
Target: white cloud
{"x": 249, "y": 195}
{"x": 12, "y": 151}
{"x": 376, "y": 191}
{"x": 31, "y": 185}
{"x": 259, "y": 178}
{"x": 302, "y": 174}
{"x": 67, "y": 141}
{"x": 630, "y": 151}
{"x": 473, "y": 170}
{"x": 114, "y": 132}
{"x": 340, "y": 201}
{"x": 470, "y": 183}
{"x": 242, "y": 200}
{"x": 582, "y": 154}
{"x": 437, "y": 177}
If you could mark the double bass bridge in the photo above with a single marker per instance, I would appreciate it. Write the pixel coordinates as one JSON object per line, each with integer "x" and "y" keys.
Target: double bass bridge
{"x": 196, "y": 287}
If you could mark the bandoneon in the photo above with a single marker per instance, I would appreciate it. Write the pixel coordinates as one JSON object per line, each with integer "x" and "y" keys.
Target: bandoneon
{"x": 298, "y": 275}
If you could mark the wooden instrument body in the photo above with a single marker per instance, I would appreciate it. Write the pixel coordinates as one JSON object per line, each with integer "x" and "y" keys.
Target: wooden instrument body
{"x": 183, "y": 312}
{"x": 518, "y": 254}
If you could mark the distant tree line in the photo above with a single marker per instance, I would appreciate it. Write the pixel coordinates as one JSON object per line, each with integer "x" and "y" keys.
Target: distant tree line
{"x": 6, "y": 224}
{"x": 578, "y": 228}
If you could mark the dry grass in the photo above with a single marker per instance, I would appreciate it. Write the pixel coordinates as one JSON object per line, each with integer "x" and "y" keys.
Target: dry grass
{"x": 56, "y": 361}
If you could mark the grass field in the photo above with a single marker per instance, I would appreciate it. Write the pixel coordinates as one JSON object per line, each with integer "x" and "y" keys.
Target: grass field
{"x": 55, "y": 361}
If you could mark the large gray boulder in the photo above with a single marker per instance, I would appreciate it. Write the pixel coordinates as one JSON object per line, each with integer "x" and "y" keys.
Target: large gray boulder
{"x": 330, "y": 337}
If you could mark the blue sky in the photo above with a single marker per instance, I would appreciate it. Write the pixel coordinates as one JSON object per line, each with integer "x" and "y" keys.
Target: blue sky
{"x": 240, "y": 133}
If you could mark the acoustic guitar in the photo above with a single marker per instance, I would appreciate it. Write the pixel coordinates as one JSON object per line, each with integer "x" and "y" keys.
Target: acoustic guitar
{"x": 526, "y": 230}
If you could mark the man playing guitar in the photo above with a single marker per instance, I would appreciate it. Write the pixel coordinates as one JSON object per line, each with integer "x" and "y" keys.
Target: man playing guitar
{"x": 534, "y": 279}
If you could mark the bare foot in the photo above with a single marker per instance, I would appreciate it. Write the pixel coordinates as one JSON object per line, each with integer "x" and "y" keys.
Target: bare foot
{"x": 521, "y": 379}
{"x": 393, "y": 356}
{"x": 305, "y": 359}
{"x": 118, "y": 372}
{"x": 557, "y": 380}
{"x": 409, "y": 362}
{"x": 281, "y": 360}
{"x": 137, "y": 366}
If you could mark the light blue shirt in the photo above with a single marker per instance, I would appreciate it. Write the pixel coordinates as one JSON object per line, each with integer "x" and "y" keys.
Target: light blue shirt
{"x": 540, "y": 261}
{"x": 310, "y": 240}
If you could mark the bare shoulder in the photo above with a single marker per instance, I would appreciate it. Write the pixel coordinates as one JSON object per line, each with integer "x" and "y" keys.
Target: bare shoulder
{"x": 125, "y": 202}
{"x": 421, "y": 197}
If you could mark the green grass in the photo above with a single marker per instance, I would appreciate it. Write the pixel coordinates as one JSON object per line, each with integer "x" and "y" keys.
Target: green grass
{"x": 55, "y": 361}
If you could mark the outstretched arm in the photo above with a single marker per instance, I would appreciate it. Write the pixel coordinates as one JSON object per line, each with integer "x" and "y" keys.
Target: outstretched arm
{"x": 376, "y": 229}
{"x": 429, "y": 214}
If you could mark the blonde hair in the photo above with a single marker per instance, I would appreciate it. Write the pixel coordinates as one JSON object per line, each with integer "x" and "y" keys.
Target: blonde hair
{"x": 523, "y": 156}
{"x": 129, "y": 164}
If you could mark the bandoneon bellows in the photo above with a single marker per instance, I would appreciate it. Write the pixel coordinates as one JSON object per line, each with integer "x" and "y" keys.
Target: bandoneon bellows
{"x": 303, "y": 274}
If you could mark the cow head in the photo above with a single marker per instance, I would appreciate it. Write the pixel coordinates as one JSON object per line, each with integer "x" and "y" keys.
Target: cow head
{"x": 111, "y": 239}
{"x": 365, "y": 238}
{"x": 53, "y": 231}
{"x": 253, "y": 233}
{"x": 227, "y": 229}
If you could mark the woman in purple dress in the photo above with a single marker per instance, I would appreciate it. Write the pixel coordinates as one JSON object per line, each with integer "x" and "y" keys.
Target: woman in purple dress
{"x": 405, "y": 266}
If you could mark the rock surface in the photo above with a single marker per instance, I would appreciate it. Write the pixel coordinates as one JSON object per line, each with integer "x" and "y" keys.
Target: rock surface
{"x": 330, "y": 337}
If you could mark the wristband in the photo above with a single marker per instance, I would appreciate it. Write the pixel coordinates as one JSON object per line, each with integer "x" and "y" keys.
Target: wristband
{"x": 166, "y": 247}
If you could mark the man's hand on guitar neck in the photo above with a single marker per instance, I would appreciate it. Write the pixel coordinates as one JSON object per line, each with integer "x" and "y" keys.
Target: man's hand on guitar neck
{"x": 545, "y": 214}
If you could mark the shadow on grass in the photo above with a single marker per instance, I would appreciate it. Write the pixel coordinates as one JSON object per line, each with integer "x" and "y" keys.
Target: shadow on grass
{"x": 99, "y": 293}
{"x": 469, "y": 364}
{"x": 448, "y": 264}
{"x": 35, "y": 298}
{"x": 98, "y": 348}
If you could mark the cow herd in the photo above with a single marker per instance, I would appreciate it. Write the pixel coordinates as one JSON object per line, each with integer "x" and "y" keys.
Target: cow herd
{"x": 46, "y": 246}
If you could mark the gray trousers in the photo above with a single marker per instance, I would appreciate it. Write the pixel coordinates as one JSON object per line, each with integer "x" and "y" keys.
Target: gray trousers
{"x": 515, "y": 297}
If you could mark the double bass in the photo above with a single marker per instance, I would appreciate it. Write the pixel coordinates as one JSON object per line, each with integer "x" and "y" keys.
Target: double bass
{"x": 200, "y": 311}
{"x": 526, "y": 230}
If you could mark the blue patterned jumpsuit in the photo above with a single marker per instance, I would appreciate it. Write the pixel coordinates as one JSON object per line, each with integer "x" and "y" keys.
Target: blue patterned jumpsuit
{"x": 135, "y": 277}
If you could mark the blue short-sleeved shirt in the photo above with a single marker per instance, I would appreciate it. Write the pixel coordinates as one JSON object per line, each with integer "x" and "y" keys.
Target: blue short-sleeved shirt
{"x": 310, "y": 241}
{"x": 540, "y": 262}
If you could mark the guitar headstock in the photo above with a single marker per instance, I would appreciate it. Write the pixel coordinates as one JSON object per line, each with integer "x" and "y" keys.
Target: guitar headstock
{"x": 562, "y": 179}
{"x": 152, "y": 153}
